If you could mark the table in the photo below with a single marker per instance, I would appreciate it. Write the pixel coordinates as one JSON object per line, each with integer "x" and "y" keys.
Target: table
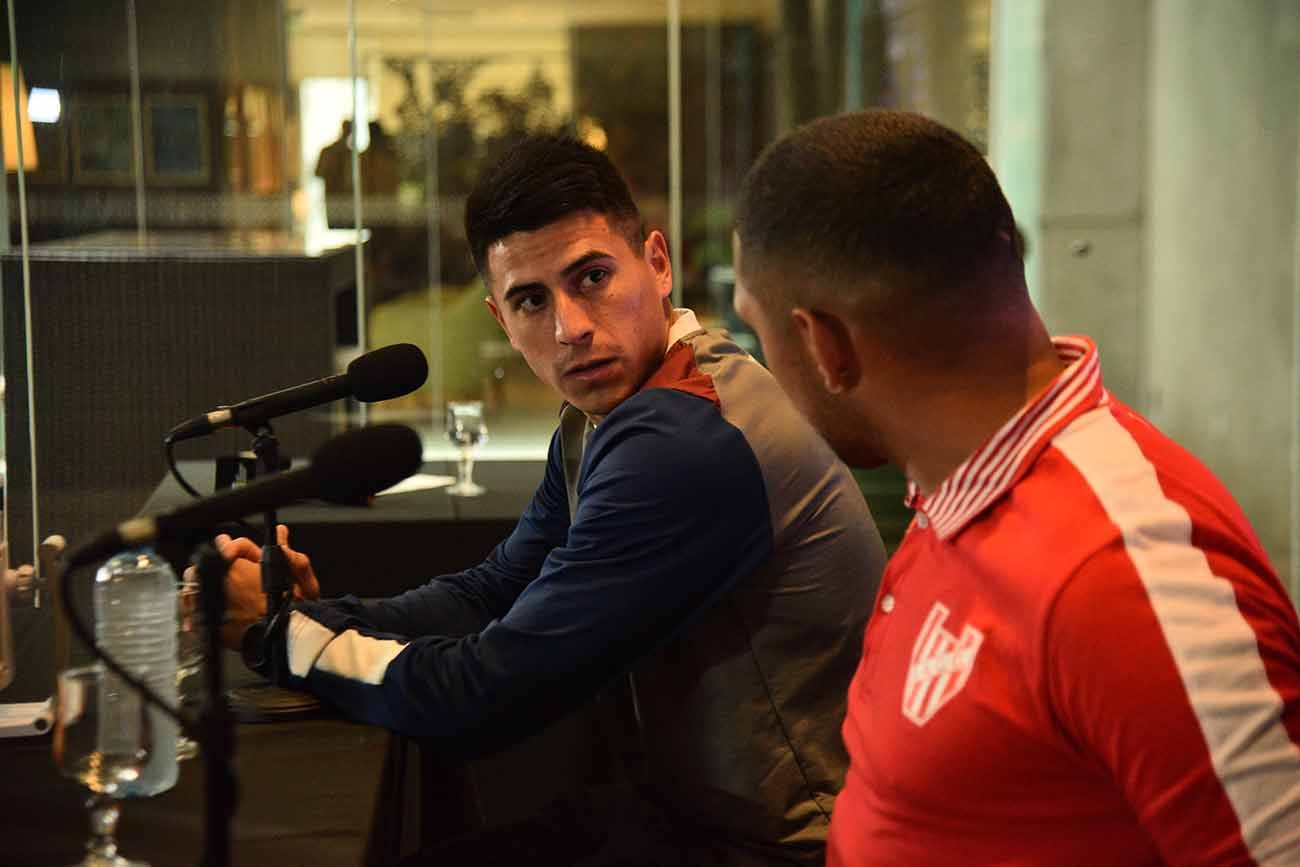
{"x": 309, "y": 787}
{"x": 325, "y": 791}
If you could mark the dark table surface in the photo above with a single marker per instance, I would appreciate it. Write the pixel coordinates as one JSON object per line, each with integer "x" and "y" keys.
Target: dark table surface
{"x": 310, "y": 786}
{"x": 308, "y": 790}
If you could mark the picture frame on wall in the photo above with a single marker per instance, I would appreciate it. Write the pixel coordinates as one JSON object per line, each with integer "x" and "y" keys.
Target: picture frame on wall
{"x": 52, "y": 152}
{"x": 177, "y": 148}
{"x": 101, "y": 139}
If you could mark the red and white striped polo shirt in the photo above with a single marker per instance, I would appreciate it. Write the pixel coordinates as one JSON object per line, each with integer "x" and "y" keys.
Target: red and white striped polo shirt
{"x": 1079, "y": 655}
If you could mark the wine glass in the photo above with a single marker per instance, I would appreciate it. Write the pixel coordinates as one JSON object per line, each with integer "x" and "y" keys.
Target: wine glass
{"x": 189, "y": 658}
{"x": 102, "y": 739}
{"x": 465, "y": 428}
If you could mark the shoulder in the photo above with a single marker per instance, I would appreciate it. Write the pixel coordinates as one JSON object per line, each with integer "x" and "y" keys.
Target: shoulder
{"x": 666, "y": 422}
{"x": 1151, "y": 490}
{"x": 1111, "y": 484}
{"x": 1165, "y": 529}
{"x": 1112, "y": 505}
{"x": 663, "y": 437}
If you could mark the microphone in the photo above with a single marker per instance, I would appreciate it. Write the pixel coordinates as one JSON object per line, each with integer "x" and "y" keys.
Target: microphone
{"x": 385, "y": 373}
{"x": 348, "y": 469}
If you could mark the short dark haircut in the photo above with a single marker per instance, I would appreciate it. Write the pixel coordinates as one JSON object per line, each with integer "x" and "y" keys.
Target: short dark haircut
{"x": 888, "y": 196}
{"x": 543, "y": 178}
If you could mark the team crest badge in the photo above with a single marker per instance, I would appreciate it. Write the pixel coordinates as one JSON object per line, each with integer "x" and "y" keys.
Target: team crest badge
{"x": 941, "y": 664}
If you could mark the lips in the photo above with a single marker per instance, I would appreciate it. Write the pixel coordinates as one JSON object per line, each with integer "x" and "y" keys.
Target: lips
{"x": 591, "y": 369}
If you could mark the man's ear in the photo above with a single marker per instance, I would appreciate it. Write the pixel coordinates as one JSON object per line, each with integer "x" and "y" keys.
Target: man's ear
{"x": 830, "y": 345}
{"x": 660, "y": 262}
{"x": 496, "y": 314}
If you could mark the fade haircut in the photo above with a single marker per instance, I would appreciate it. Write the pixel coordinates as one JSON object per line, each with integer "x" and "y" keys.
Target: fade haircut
{"x": 873, "y": 206}
{"x": 543, "y": 178}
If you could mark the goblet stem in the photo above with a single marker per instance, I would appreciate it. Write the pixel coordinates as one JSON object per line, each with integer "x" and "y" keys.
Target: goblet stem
{"x": 465, "y": 469}
{"x": 102, "y": 845}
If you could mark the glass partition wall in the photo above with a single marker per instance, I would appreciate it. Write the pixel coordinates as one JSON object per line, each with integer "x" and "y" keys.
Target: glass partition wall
{"x": 176, "y": 149}
{"x": 282, "y": 185}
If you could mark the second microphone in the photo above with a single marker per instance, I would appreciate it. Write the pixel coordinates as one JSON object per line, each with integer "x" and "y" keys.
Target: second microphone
{"x": 383, "y": 374}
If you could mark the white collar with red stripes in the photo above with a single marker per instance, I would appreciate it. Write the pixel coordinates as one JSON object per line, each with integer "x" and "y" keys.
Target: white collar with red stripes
{"x": 998, "y": 464}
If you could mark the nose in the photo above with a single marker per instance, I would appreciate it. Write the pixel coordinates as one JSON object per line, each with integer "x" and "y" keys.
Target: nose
{"x": 573, "y": 326}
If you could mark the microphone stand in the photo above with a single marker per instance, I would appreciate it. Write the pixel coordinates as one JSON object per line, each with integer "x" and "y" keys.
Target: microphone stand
{"x": 341, "y": 472}
{"x": 216, "y": 722}
{"x": 276, "y": 581}
{"x": 277, "y": 586}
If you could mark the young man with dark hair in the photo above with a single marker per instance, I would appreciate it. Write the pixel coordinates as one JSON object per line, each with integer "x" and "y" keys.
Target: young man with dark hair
{"x": 691, "y": 529}
{"x": 1079, "y": 654}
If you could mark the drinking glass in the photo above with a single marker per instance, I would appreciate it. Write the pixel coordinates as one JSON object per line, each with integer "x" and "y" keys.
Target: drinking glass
{"x": 465, "y": 428}
{"x": 189, "y": 659}
{"x": 102, "y": 739}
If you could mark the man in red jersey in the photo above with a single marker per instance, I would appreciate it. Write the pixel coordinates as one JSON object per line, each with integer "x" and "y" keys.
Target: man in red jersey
{"x": 1079, "y": 654}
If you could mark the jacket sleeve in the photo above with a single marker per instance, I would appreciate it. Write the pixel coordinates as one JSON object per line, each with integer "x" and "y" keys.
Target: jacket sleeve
{"x": 672, "y": 513}
{"x": 465, "y": 602}
{"x": 1191, "y": 707}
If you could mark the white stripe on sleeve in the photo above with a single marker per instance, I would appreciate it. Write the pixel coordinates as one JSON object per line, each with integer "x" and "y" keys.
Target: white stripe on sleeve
{"x": 1212, "y": 644}
{"x": 359, "y": 657}
{"x": 306, "y": 639}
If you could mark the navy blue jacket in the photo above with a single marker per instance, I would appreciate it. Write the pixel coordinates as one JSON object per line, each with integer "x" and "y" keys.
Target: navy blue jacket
{"x": 715, "y": 548}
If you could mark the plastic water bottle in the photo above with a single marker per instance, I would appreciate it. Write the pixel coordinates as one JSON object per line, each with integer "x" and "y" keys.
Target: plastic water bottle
{"x": 135, "y": 623}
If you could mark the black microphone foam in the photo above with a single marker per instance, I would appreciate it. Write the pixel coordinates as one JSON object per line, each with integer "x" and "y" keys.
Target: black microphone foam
{"x": 354, "y": 466}
{"x": 388, "y": 372}
{"x": 348, "y": 470}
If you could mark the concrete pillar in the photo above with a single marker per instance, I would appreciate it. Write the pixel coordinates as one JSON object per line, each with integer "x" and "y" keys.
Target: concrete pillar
{"x": 1092, "y": 209}
{"x": 1222, "y": 364}
{"x": 1155, "y": 167}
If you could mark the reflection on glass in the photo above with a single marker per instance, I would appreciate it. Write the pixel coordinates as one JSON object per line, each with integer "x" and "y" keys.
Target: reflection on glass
{"x": 102, "y": 740}
{"x": 466, "y": 430}
{"x": 249, "y": 131}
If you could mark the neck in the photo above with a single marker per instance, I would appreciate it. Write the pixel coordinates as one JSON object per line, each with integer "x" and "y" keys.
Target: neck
{"x": 671, "y": 316}
{"x": 958, "y": 406}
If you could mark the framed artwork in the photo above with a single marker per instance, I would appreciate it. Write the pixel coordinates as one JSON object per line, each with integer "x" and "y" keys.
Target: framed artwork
{"x": 101, "y": 139}
{"x": 177, "y": 148}
{"x": 51, "y": 153}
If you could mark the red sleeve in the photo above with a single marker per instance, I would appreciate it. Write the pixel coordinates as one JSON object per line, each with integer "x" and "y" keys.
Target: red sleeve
{"x": 1180, "y": 679}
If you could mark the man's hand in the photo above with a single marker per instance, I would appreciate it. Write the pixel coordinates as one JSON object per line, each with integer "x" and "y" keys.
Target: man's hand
{"x": 245, "y": 602}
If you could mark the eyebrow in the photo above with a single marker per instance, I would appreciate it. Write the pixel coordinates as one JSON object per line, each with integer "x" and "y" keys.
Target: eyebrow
{"x": 576, "y": 265}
